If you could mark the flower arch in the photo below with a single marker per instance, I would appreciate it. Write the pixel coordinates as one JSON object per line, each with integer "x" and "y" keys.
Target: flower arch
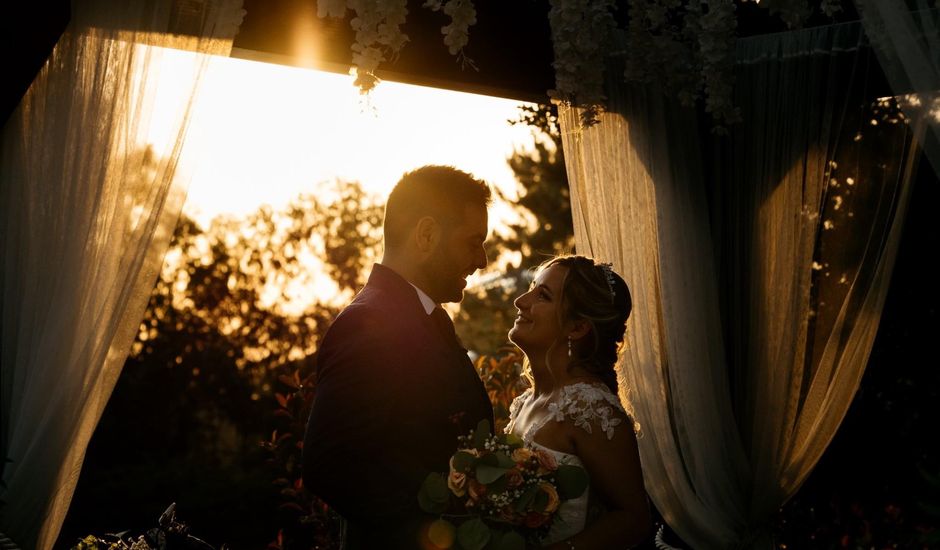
{"x": 685, "y": 46}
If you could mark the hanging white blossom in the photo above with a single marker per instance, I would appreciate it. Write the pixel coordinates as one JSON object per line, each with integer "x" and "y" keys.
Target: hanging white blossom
{"x": 379, "y": 37}
{"x": 716, "y": 44}
{"x": 685, "y": 47}
{"x": 581, "y": 31}
{"x": 662, "y": 46}
{"x": 462, "y": 16}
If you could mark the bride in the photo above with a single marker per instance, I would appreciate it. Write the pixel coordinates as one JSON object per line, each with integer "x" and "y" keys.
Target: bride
{"x": 571, "y": 323}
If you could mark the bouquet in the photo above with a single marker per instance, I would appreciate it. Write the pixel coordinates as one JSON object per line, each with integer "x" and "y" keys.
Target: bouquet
{"x": 170, "y": 534}
{"x": 499, "y": 493}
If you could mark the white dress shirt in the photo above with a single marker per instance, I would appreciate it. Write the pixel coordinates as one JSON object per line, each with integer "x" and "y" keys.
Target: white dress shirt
{"x": 426, "y": 300}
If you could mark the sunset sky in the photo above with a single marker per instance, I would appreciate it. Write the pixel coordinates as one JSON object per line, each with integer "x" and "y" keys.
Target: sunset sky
{"x": 263, "y": 133}
{"x": 266, "y": 132}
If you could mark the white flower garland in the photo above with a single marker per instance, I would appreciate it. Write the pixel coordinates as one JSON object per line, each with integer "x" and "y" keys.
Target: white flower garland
{"x": 379, "y": 36}
{"x": 581, "y": 32}
{"x": 456, "y": 35}
{"x": 663, "y": 47}
{"x": 716, "y": 45}
{"x": 686, "y": 46}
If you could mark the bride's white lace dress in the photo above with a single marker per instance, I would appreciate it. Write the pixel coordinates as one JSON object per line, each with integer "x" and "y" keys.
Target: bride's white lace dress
{"x": 590, "y": 407}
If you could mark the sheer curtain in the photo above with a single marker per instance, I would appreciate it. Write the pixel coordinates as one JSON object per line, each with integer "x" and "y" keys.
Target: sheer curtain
{"x": 907, "y": 42}
{"x": 629, "y": 193}
{"x": 91, "y": 184}
{"x": 759, "y": 264}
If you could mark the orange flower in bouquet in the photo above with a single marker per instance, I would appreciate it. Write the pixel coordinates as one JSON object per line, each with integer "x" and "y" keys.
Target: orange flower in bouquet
{"x": 498, "y": 492}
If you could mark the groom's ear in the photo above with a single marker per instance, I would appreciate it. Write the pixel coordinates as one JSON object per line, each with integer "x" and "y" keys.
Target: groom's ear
{"x": 427, "y": 233}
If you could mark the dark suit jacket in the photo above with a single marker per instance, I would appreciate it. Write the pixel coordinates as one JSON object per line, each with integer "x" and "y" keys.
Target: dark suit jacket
{"x": 392, "y": 396}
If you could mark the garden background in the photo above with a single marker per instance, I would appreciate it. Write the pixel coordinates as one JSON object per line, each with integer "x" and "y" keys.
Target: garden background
{"x": 210, "y": 406}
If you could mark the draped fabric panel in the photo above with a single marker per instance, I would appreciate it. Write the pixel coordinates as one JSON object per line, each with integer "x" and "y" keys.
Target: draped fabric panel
{"x": 813, "y": 198}
{"x": 91, "y": 185}
{"x": 759, "y": 264}
{"x": 907, "y": 43}
{"x": 636, "y": 206}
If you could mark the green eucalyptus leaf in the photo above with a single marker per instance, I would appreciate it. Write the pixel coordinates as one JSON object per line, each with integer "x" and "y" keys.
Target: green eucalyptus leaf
{"x": 434, "y": 496}
{"x": 431, "y": 506}
{"x": 437, "y": 487}
{"x": 572, "y": 481}
{"x": 498, "y": 486}
{"x": 489, "y": 459}
{"x": 464, "y": 462}
{"x": 526, "y": 498}
{"x": 540, "y": 503}
{"x": 513, "y": 440}
{"x": 510, "y": 540}
{"x": 473, "y": 534}
{"x": 487, "y": 474}
{"x": 481, "y": 434}
{"x": 504, "y": 460}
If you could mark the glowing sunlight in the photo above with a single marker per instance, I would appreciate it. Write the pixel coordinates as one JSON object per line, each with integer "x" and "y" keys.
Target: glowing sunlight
{"x": 263, "y": 133}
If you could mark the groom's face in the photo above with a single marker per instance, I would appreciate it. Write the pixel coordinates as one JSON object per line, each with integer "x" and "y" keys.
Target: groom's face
{"x": 458, "y": 254}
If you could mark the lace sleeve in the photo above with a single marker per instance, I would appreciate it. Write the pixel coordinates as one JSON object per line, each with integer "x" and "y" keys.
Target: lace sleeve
{"x": 588, "y": 407}
{"x": 514, "y": 408}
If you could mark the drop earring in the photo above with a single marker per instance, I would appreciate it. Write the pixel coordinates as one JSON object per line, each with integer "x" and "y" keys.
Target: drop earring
{"x": 569, "y": 346}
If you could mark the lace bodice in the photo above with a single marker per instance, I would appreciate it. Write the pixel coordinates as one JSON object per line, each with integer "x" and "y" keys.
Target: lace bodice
{"x": 588, "y": 406}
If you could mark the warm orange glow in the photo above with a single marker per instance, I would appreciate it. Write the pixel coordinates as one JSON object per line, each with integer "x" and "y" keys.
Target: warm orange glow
{"x": 263, "y": 133}
{"x": 304, "y": 40}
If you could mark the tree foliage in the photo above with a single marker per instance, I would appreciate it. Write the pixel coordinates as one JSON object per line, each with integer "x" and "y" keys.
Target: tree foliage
{"x": 544, "y": 198}
{"x": 544, "y": 230}
{"x": 237, "y": 307}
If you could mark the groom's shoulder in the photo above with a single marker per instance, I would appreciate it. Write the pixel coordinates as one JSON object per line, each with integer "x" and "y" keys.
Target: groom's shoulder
{"x": 368, "y": 313}
{"x": 370, "y": 302}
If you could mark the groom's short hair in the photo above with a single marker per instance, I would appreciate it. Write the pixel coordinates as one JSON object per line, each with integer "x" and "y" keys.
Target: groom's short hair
{"x": 442, "y": 192}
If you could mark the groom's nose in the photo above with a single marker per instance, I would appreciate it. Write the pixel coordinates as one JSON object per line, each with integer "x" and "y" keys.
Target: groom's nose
{"x": 481, "y": 259}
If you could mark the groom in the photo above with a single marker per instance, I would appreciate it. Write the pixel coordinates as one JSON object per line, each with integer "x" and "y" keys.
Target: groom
{"x": 394, "y": 386}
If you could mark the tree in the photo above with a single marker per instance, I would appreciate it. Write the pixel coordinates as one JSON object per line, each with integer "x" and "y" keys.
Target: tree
{"x": 237, "y": 306}
{"x": 545, "y": 229}
{"x": 545, "y": 198}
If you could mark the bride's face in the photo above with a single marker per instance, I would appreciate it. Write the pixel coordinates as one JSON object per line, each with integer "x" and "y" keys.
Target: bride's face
{"x": 538, "y": 325}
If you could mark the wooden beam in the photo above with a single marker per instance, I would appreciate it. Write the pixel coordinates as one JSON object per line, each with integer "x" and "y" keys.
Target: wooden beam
{"x": 28, "y": 35}
{"x": 510, "y": 46}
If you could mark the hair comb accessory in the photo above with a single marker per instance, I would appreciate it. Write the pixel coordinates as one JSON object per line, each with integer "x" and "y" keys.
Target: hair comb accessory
{"x": 609, "y": 275}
